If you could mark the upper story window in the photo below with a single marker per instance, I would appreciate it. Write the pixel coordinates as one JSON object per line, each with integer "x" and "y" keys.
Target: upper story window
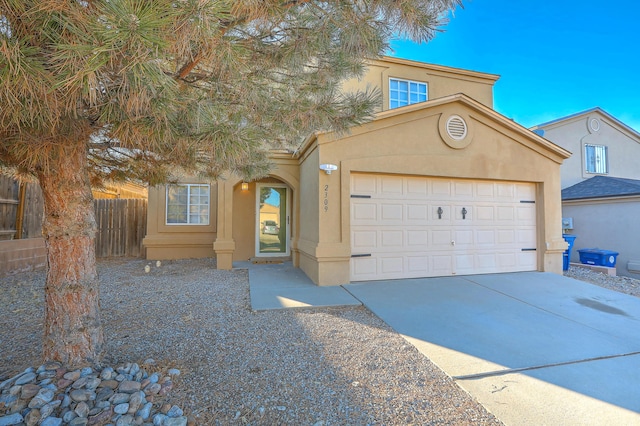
{"x": 188, "y": 204}
{"x": 406, "y": 92}
{"x": 595, "y": 159}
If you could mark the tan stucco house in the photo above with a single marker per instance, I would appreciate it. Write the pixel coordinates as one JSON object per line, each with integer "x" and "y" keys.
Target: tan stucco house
{"x": 437, "y": 184}
{"x": 601, "y": 184}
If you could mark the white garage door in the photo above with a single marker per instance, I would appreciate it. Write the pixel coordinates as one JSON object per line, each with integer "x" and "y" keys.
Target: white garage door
{"x": 409, "y": 227}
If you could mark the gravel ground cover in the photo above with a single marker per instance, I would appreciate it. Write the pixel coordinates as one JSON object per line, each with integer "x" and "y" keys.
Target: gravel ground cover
{"x": 329, "y": 366}
{"x": 300, "y": 367}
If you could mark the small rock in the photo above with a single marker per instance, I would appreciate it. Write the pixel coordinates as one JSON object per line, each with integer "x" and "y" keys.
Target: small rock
{"x": 119, "y": 398}
{"x": 111, "y": 384}
{"x": 80, "y": 383}
{"x": 158, "y": 419}
{"x": 145, "y": 411}
{"x": 64, "y": 383}
{"x": 107, "y": 373}
{"x": 65, "y": 400}
{"x": 8, "y": 400}
{"x": 79, "y": 395}
{"x": 153, "y": 389}
{"x": 15, "y": 390}
{"x": 129, "y": 386}
{"x": 72, "y": 375}
{"x": 175, "y": 421}
{"x": 165, "y": 388}
{"x": 281, "y": 408}
{"x": 101, "y": 418}
{"x": 174, "y": 411}
{"x": 43, "y": 397}
{"x": 150, "y": 361}
{"x": 79, "y": 421}
{"x": 82, "y": 409}
{"x": 51, "y": 421}
{"x": 47, "y": 410}
{"x": 104, "y": 394}
{"x": 86, "y": 371}
{"x": 125, "y": 421}
{"x": 137, "y": 398}
{"x": 68, "y": 416}
{"x": 92, "y": 383}
{"x": 173, "y": 372}
{"x": 33, "y": 417}
{"x": 121, "y": 408}
{"x": 135, "y": 368}
{"x": 25, "y": 378}
{"x": 12, "y": 419}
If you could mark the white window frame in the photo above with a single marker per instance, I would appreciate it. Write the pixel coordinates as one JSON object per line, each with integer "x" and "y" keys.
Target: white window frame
{"x": 190, "y": 204}
{"x": 412, "y": 90}
{"x": 596, "y": 162}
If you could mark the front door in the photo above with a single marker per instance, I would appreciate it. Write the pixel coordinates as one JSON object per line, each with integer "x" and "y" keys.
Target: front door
{"x": 272, "y": 205}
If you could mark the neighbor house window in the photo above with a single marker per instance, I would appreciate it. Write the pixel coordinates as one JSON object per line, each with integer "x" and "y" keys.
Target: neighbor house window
{"x": 595, "y": 158}
{"x": 405, "y": 92}
{"x": 188, "y": 204}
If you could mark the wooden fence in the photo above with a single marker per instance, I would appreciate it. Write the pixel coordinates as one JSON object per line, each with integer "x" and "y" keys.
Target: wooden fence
{"x": 122, "y": 223}
{"x": 21, "y": 207}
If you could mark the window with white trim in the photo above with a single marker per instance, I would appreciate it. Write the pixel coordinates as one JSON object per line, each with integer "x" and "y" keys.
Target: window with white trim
{"x": 406, "y": 92}
{"x": 188, "y": 204}
{"x": 595, "y": 159}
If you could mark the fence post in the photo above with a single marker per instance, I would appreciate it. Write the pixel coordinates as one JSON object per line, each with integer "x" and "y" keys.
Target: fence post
{"x": 20, "y": 213}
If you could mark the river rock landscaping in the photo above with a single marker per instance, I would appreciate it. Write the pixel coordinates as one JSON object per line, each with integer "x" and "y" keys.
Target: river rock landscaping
{"x": 53, "y": 396}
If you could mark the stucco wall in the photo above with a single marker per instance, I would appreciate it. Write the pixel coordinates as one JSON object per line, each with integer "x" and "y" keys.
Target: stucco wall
{"x": 623, "y": 149}
{"x": 177, "y": 241}
{"x": 411, "y": 143}
{"x": 607, "y": 225}
{"x": 441, "y": 81}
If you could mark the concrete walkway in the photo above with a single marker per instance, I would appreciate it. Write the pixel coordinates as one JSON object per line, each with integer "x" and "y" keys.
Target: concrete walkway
{"x": 533, "y": 348}
{"x": 281, "y": 286}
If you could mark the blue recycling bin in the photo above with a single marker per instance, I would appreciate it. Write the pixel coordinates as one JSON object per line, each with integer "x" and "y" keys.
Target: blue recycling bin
{"x": 567, "y": 253}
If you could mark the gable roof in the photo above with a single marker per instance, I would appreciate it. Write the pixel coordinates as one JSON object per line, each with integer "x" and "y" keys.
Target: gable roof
{"x": 504, "y": 124}
{"x": 540, "y": 128}
{"x": 602, "y": 187}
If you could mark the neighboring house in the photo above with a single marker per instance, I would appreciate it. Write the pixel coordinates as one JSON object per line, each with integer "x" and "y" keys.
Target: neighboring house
{"x": 601, "y": 184}
{"x": 437, "y": 184}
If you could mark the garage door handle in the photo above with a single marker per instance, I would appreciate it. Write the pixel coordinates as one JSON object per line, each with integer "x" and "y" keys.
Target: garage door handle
{"x": 453, "y": 243}
{"x": 361, "y": 255}
{"x": 464, "y": 213}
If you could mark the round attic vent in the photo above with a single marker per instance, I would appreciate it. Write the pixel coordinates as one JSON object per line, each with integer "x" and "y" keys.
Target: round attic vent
{"x": 456, "y": 127}
{"x": 594, "y": 124}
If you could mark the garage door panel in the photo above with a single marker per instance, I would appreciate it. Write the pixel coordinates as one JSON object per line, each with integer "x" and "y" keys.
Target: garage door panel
{"x": 417, "y": 239}
{"x": 396, "y": 225}
{"x": 485, "y": 213}
{"x": 417, "y": 213}
{"x": 362, "y": 213}
{"x": 441, "y": 237}
{"x": 363, "y": 239}
{"x": 464, "y": 237}
{"x": 417, "y": 188}
{"x": 391, "y": 265}
{"x": 486, "y": 237}
{"x": 418, "y": 264}
{"x": 392, "y": 238}
{"x": 366, "y": 267}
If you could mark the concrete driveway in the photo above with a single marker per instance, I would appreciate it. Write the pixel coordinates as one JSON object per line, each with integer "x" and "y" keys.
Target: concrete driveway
{"x": 533, "y": 348}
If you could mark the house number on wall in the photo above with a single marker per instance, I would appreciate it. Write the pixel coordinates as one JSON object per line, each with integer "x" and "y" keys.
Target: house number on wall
{"x": 325, "y": 201}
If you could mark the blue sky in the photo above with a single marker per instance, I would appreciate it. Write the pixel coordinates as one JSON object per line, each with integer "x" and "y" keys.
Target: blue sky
{"x": 555, "y": 57}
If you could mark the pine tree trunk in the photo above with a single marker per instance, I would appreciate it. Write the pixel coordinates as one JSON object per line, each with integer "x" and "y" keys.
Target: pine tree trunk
{"x": 72, "y": 327}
